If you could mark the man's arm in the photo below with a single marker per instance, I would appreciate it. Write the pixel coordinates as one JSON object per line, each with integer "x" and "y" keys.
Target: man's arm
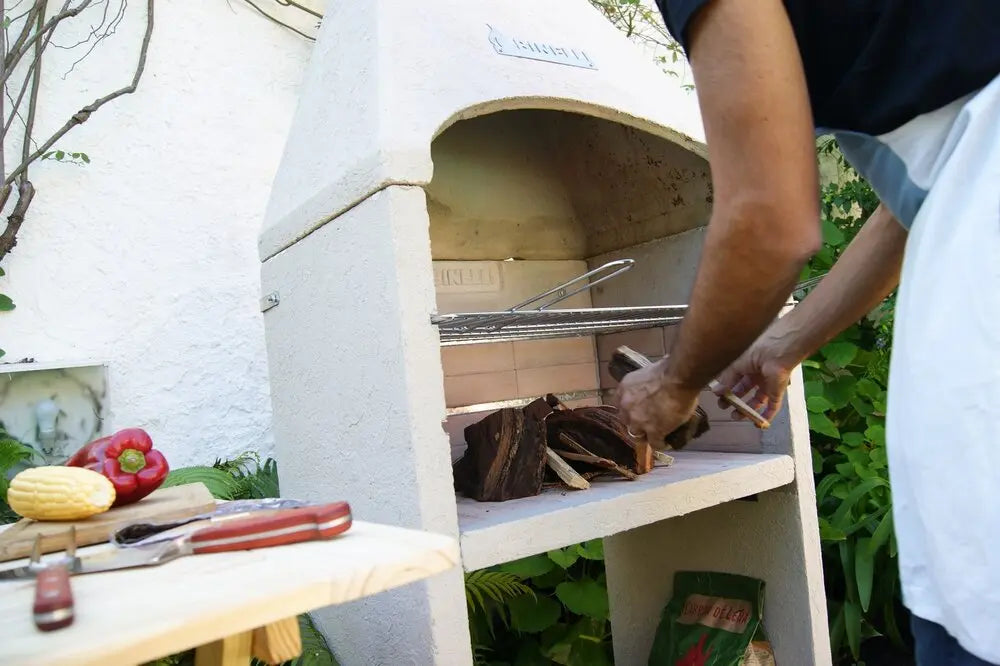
{"x": 865, "y": 273}
{"x": 765, "y": 222}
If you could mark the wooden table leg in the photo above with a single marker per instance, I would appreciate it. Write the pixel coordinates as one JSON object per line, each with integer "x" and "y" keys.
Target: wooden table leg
{"x": 277, "y": 642}
{"x": 230, "y": 651}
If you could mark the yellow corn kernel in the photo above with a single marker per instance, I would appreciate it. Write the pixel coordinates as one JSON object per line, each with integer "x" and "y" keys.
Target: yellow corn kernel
{"x": 60, "y": 493}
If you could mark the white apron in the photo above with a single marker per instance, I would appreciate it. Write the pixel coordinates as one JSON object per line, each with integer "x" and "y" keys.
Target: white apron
{"x": 940, "y": 174}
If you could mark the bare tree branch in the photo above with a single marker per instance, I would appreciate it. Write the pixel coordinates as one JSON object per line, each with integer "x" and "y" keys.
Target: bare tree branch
{"x": 49, "y": 26}
{"x": 25, "y": 193}
{"x": 29, "y": 22}
{"x": 83, "y": 114}
{"x": 29, "y": 124}
{"x": 16, "y": 104}
{"x": 40, "y": 40}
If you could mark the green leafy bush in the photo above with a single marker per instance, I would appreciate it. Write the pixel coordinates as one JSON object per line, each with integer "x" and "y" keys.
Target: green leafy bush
{"x": 13, "y": 452}
{"x": 845, "y": 386}
{"x": 553, "y": 610}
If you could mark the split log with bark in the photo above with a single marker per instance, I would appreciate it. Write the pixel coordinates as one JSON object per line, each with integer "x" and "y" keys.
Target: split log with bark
{"x": 515, "y": 452}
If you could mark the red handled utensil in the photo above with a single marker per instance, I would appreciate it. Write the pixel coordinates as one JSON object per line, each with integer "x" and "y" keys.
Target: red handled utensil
{"x": 272, "y": 528}
{"x": 53, "y": 604}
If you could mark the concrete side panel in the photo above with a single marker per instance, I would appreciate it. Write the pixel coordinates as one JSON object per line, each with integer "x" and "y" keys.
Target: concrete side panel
{"x": 356, "y": 389}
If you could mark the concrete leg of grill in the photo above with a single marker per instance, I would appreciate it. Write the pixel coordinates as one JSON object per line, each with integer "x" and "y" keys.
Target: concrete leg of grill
{"x": 357, "y": 394}
{"x": 775, "y": 538}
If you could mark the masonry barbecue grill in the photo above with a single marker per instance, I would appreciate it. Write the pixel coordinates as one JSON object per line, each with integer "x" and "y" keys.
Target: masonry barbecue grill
{"x": 477, "y": 204}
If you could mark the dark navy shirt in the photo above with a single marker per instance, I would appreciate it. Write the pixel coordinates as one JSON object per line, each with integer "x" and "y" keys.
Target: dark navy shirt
{"x": 872, "y": 65}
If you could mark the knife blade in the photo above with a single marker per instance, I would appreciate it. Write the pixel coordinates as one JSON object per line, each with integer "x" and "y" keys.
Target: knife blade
{"x": 277, "y": 528}
{"x": 146, "y": 533}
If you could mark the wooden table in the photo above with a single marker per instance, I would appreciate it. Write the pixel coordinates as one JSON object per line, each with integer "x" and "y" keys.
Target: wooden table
{"x": 215, "y": 602}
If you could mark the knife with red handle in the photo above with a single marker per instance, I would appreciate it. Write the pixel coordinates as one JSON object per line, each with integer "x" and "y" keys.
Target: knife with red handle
{"x": 264, "y": 530}
{"x": 281, "y": 527}
{"x": 53, "y": 606}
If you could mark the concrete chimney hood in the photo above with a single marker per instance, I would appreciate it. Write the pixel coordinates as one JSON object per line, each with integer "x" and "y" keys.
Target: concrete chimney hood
{"x": 388, "y": 77}
{"x": 453, "y": 157}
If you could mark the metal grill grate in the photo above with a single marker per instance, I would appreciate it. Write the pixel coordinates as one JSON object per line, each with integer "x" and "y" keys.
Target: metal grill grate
{"x": 464, "y": 328}
{"x": 471, "y": 328}
{"x": 518, "y": 324}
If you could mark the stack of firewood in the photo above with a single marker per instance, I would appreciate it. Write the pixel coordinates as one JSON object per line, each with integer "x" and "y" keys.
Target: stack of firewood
{"x": 516, "y": 452}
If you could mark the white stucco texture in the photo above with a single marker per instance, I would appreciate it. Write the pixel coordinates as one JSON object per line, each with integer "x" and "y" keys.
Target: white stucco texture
{"x": 146, "y": 258}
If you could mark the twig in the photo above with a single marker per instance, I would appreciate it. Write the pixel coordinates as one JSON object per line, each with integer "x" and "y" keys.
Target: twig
{"x": 29, "y": 21}
{"x": 93, "y": 29}
{"x": 16, "y": 104}
{"x": 98, "y": 38}
{"x": 84, "y": 114}
{"x": 46, "y": 27}
{"x": 587, "y": 456}
{"x": 29, "y": 124}
{"x": 296, "y": 5}
{"x": 277, "y": 21}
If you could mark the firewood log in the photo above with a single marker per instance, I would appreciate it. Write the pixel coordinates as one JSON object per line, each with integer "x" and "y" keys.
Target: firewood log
{"x": 505, "y": 457}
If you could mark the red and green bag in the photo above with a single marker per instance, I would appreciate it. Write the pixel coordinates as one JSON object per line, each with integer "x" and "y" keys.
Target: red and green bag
{"x": 713, "y": 619}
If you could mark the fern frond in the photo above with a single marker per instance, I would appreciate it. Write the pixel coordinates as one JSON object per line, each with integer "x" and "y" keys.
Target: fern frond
{"x": 487, "y": 592}
{"x": 221, "y": 484}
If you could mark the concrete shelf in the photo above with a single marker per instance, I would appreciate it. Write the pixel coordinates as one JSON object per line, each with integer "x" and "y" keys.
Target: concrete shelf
{"x": 495, "y": 532}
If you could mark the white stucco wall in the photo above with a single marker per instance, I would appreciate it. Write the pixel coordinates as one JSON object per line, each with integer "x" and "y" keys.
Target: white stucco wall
{"x": 146, "y": 258}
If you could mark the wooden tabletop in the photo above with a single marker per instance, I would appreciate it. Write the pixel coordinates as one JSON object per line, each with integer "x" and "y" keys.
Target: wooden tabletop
{"x": 137, "y": 615}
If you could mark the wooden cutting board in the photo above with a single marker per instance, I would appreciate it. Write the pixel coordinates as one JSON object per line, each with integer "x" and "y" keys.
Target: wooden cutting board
{"x": 172, "y": 503}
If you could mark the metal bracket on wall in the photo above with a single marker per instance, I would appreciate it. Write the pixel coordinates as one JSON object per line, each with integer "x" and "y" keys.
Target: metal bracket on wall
{"x": 269, "y": 301}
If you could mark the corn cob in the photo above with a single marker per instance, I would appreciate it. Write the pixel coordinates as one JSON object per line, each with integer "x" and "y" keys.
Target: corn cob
{"x": 59, "y": 493}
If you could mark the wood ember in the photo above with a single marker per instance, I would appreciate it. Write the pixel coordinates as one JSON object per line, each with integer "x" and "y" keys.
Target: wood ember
{"x": 505, "y": 458}
{"x": 626, "y": 360}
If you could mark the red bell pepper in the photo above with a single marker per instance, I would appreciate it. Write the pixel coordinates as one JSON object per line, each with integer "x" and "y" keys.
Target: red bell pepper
{"x": 128, "y": 459}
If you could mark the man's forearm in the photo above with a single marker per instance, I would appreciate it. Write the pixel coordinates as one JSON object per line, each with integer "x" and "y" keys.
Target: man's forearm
{"x": 765, "y": 222}
{"x": 743, "y": 281}
{"x": 865, "y": 273}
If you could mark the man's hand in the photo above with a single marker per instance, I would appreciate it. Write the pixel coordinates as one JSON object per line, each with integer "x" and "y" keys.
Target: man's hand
{"x": 764, "y": 369}
{"x": 652, "y": 407}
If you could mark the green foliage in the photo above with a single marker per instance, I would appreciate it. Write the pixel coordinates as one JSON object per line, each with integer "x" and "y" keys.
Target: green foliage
{"x": 13, "y": 452}
{"x": 642, "y": 23}
{"x": 68, "y": 157}
{"x": 6, "y": 305}
{"x": 557, "y": 613}
{"x": 231, "y": 479}
{"x": 845, "y": 384}
{"x": 220, "y": 483}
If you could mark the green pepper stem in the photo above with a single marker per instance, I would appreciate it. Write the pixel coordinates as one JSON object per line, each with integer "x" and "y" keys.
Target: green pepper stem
{"x": 132, "y": 460}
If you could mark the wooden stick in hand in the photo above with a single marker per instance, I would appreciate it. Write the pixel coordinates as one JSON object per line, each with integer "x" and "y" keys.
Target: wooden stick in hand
{"x": 635, "y": 358}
